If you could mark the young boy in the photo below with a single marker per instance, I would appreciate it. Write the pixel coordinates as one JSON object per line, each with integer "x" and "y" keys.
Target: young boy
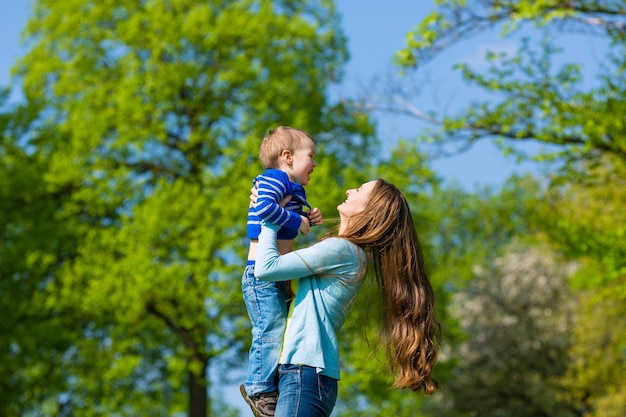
{"x": 287, "y": 154}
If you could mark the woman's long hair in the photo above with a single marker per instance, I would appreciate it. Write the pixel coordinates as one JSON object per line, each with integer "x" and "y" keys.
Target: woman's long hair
{"x": 410, "y": 330}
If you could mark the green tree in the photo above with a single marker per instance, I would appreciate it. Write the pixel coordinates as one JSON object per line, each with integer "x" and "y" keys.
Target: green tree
{"x": 517, "y": 318}
{"x": 587, "y": 223}
{"x": 35, "y": 239}
{"x": 530, "y": 96}
{"x": 595, "y": 376}
{"x": 153, "y": 113}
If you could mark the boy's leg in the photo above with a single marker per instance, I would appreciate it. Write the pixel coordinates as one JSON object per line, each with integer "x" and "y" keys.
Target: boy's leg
{"x": 267, "y": 309}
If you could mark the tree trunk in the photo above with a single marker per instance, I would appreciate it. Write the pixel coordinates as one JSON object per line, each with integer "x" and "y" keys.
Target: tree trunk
{"x": 198, "y": 393}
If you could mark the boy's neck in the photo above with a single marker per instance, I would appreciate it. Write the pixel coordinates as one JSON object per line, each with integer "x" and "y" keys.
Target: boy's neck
{"x": 285, "y": 169}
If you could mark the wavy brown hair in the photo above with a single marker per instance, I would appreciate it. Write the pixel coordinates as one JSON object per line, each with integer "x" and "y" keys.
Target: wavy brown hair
{"x": 410, "y": 331}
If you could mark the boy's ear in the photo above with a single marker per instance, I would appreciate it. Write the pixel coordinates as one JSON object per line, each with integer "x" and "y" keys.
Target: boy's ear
{"x": 285, "y": 155}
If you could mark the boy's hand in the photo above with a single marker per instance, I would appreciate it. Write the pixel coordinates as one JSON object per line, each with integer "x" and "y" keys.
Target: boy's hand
{"x": 315, "y": 216}
{"x": 304, "y": 225}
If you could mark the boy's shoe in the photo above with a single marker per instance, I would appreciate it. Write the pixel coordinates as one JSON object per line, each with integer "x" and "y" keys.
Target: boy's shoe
{"x": 262, "y": 405}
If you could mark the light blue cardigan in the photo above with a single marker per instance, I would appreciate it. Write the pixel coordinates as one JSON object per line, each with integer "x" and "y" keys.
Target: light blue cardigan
{"x": 328, "y": 278}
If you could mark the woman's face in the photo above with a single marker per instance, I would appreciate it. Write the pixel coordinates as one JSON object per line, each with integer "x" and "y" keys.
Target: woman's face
{"x": 356, "y": 200}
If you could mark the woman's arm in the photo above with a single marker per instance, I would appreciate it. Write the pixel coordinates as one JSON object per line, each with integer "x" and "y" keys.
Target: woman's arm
{"x": 331, "y": 256}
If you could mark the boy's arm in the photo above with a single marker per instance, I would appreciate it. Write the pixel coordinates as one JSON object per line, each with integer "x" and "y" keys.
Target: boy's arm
{"x": 270, "y": 192}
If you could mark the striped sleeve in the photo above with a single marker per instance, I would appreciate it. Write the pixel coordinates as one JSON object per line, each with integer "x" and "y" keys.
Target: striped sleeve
{"x": 271, "y": 190}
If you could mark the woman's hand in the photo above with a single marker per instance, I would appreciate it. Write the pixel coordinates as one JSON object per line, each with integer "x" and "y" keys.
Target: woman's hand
{"x": 254, "y": 194}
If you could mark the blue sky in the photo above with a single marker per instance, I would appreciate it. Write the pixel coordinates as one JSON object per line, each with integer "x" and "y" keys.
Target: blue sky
{"x": 376, "y": 31}
{"x": 13, "y": 15}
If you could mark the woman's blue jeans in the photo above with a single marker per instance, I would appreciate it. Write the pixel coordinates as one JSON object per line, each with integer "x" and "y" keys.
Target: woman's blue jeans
{"x": 266, "y": 303}
{"x": 302, "y": 392}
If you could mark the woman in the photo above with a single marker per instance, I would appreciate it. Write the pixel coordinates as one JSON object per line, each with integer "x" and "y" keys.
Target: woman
{"x": 375, "y": 227}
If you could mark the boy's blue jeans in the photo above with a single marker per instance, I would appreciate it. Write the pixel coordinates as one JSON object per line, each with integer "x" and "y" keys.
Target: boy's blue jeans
{"x": 267, "y": 308}
{"x": 304, "y": 393}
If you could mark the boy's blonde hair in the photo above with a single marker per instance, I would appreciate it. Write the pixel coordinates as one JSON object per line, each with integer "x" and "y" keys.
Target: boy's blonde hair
{"x": 277, "y": 140}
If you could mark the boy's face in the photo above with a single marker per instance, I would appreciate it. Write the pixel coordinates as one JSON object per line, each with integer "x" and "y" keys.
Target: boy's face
{"x": 302, "y": 162}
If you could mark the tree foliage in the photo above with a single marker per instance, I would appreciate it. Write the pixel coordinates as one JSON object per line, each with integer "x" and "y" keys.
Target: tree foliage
{"x": 529, "y": 95}
{"x": 595, "y": 378}
{"x": 34, "y": 240}
{"x": 517, "y": 318}
{"x": 586, "y": 221}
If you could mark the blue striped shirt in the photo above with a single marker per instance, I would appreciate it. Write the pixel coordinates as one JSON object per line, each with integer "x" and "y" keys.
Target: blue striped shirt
{"x": 274, "y": 185}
